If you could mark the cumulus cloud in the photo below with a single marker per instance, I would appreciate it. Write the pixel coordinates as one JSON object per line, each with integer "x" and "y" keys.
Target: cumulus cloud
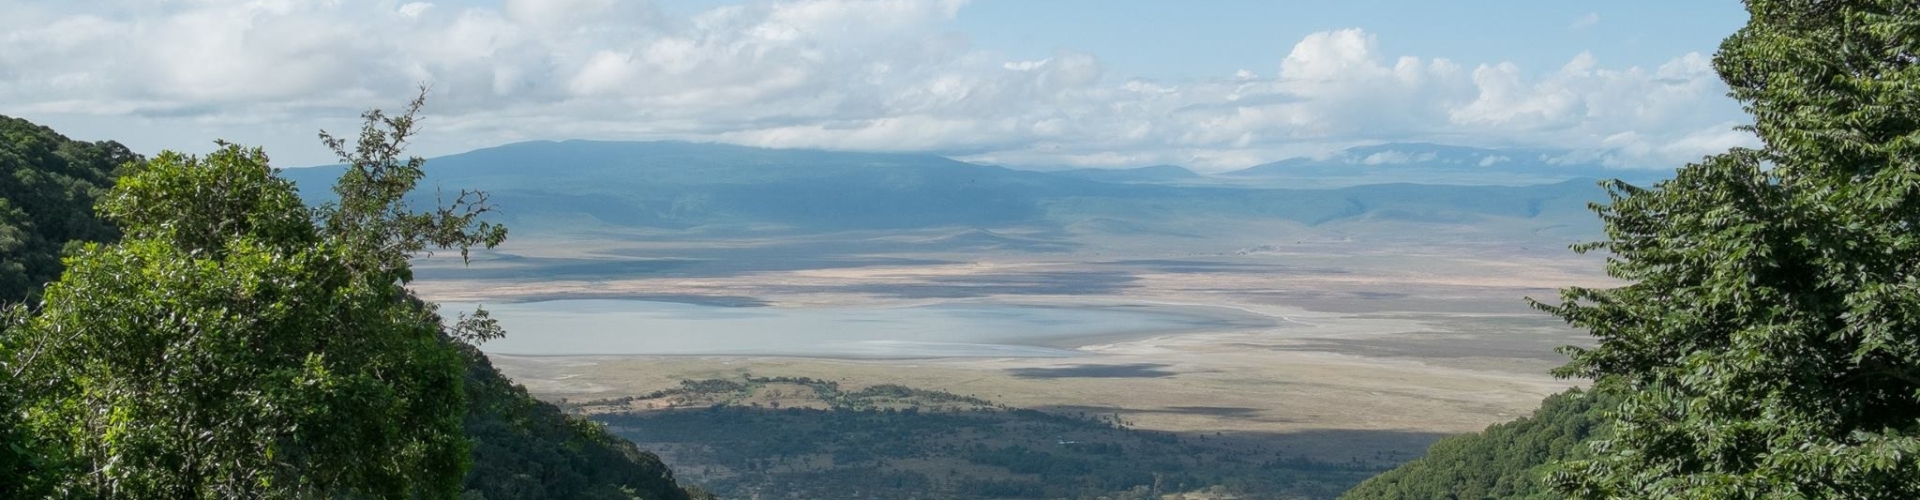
{"x": 887, "y": 75}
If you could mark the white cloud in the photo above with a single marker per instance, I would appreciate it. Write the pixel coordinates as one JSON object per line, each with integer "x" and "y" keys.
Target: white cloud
{"x": 413, "y": 10}
{"x": 1586, "y": 21}
{"x": 1025, "y": 65}
{"x": 838, "y": 74}
{"x": 1331, "y": 55}
{"x": 1397, "y": 158}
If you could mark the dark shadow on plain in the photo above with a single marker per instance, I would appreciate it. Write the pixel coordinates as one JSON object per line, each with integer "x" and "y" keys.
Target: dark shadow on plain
{"x": 1134, "y": 370}
{"x": 676, "y": 298}
{"x": 545, "y": 268}
{"x": 1515, "y": 347}
{"x": 960, "y": 287}
{"x": 1216, "y": 411}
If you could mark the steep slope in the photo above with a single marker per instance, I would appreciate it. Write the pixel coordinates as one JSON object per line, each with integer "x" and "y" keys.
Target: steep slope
{"x": 1504, "y": 462}
{"x": 47, "y": 187}
{"x": 524, "y": 448}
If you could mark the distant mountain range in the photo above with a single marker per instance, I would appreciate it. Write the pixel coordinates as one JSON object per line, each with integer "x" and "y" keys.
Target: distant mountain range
{"x": 1441, "y": 164}
{"x": 675, "y": 185}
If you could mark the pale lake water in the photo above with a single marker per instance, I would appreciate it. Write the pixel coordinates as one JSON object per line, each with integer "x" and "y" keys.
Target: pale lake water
{"x": 637, "y": 327}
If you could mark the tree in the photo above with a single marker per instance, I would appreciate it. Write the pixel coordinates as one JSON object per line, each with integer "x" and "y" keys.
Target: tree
{"x": 1767, "y": 343}
{"x": 238, "y": 345}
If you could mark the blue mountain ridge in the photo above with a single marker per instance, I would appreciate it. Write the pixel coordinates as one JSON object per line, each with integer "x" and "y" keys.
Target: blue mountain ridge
{"x": 684, "y": 185}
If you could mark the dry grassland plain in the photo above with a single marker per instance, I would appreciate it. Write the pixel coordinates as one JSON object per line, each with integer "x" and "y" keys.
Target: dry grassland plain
{"x": 1369, "y": 350}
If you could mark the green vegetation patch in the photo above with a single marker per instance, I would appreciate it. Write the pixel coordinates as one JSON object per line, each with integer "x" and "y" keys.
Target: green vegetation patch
{"x": 765, "y": 438}
{"x": 1507, "y": 461}
{"x": 48, "y": 184}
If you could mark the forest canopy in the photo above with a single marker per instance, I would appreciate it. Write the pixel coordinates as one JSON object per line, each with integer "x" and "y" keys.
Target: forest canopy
{"x": 48, "y": 185}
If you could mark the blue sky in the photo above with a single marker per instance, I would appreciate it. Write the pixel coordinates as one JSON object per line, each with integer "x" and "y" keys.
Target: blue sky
{"x": 1178, "y": 40}
{"x": 1213, "y": 85}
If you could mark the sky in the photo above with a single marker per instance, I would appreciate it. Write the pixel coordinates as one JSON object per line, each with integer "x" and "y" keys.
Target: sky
{"x": 1214, "y": 85}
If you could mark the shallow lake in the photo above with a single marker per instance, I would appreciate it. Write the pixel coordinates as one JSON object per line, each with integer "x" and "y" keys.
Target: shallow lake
{"x": 636, "y": 327}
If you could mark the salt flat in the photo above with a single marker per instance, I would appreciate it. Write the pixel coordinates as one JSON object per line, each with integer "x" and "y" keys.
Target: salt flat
{"x": 1366, "y": 350}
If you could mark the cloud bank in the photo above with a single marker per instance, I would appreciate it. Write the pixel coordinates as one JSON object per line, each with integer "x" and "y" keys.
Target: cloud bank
{"x": 877, "y": 75}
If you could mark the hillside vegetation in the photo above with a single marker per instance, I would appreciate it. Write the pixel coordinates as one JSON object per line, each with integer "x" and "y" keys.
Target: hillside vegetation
{"x": 1508, "y": 461}
{"x": 48, "y": 184}
{"x": 524, "y": 448}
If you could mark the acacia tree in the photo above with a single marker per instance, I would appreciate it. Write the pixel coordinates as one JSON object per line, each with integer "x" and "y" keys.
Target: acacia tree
{"x": 237, "y": 344}
{"x": 1768, "y": 341}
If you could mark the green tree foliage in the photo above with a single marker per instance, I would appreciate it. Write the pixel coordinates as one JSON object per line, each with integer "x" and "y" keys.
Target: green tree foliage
{"x": 522, "y": 448}
{"x": 19, "y": 464}
{"x": 48, "y": 184}
{"x": 1508, "y": 461}
{"x": 232, "y": 347}
{"x": 371, "y": 212}
{"x": 1768, "y": 341}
